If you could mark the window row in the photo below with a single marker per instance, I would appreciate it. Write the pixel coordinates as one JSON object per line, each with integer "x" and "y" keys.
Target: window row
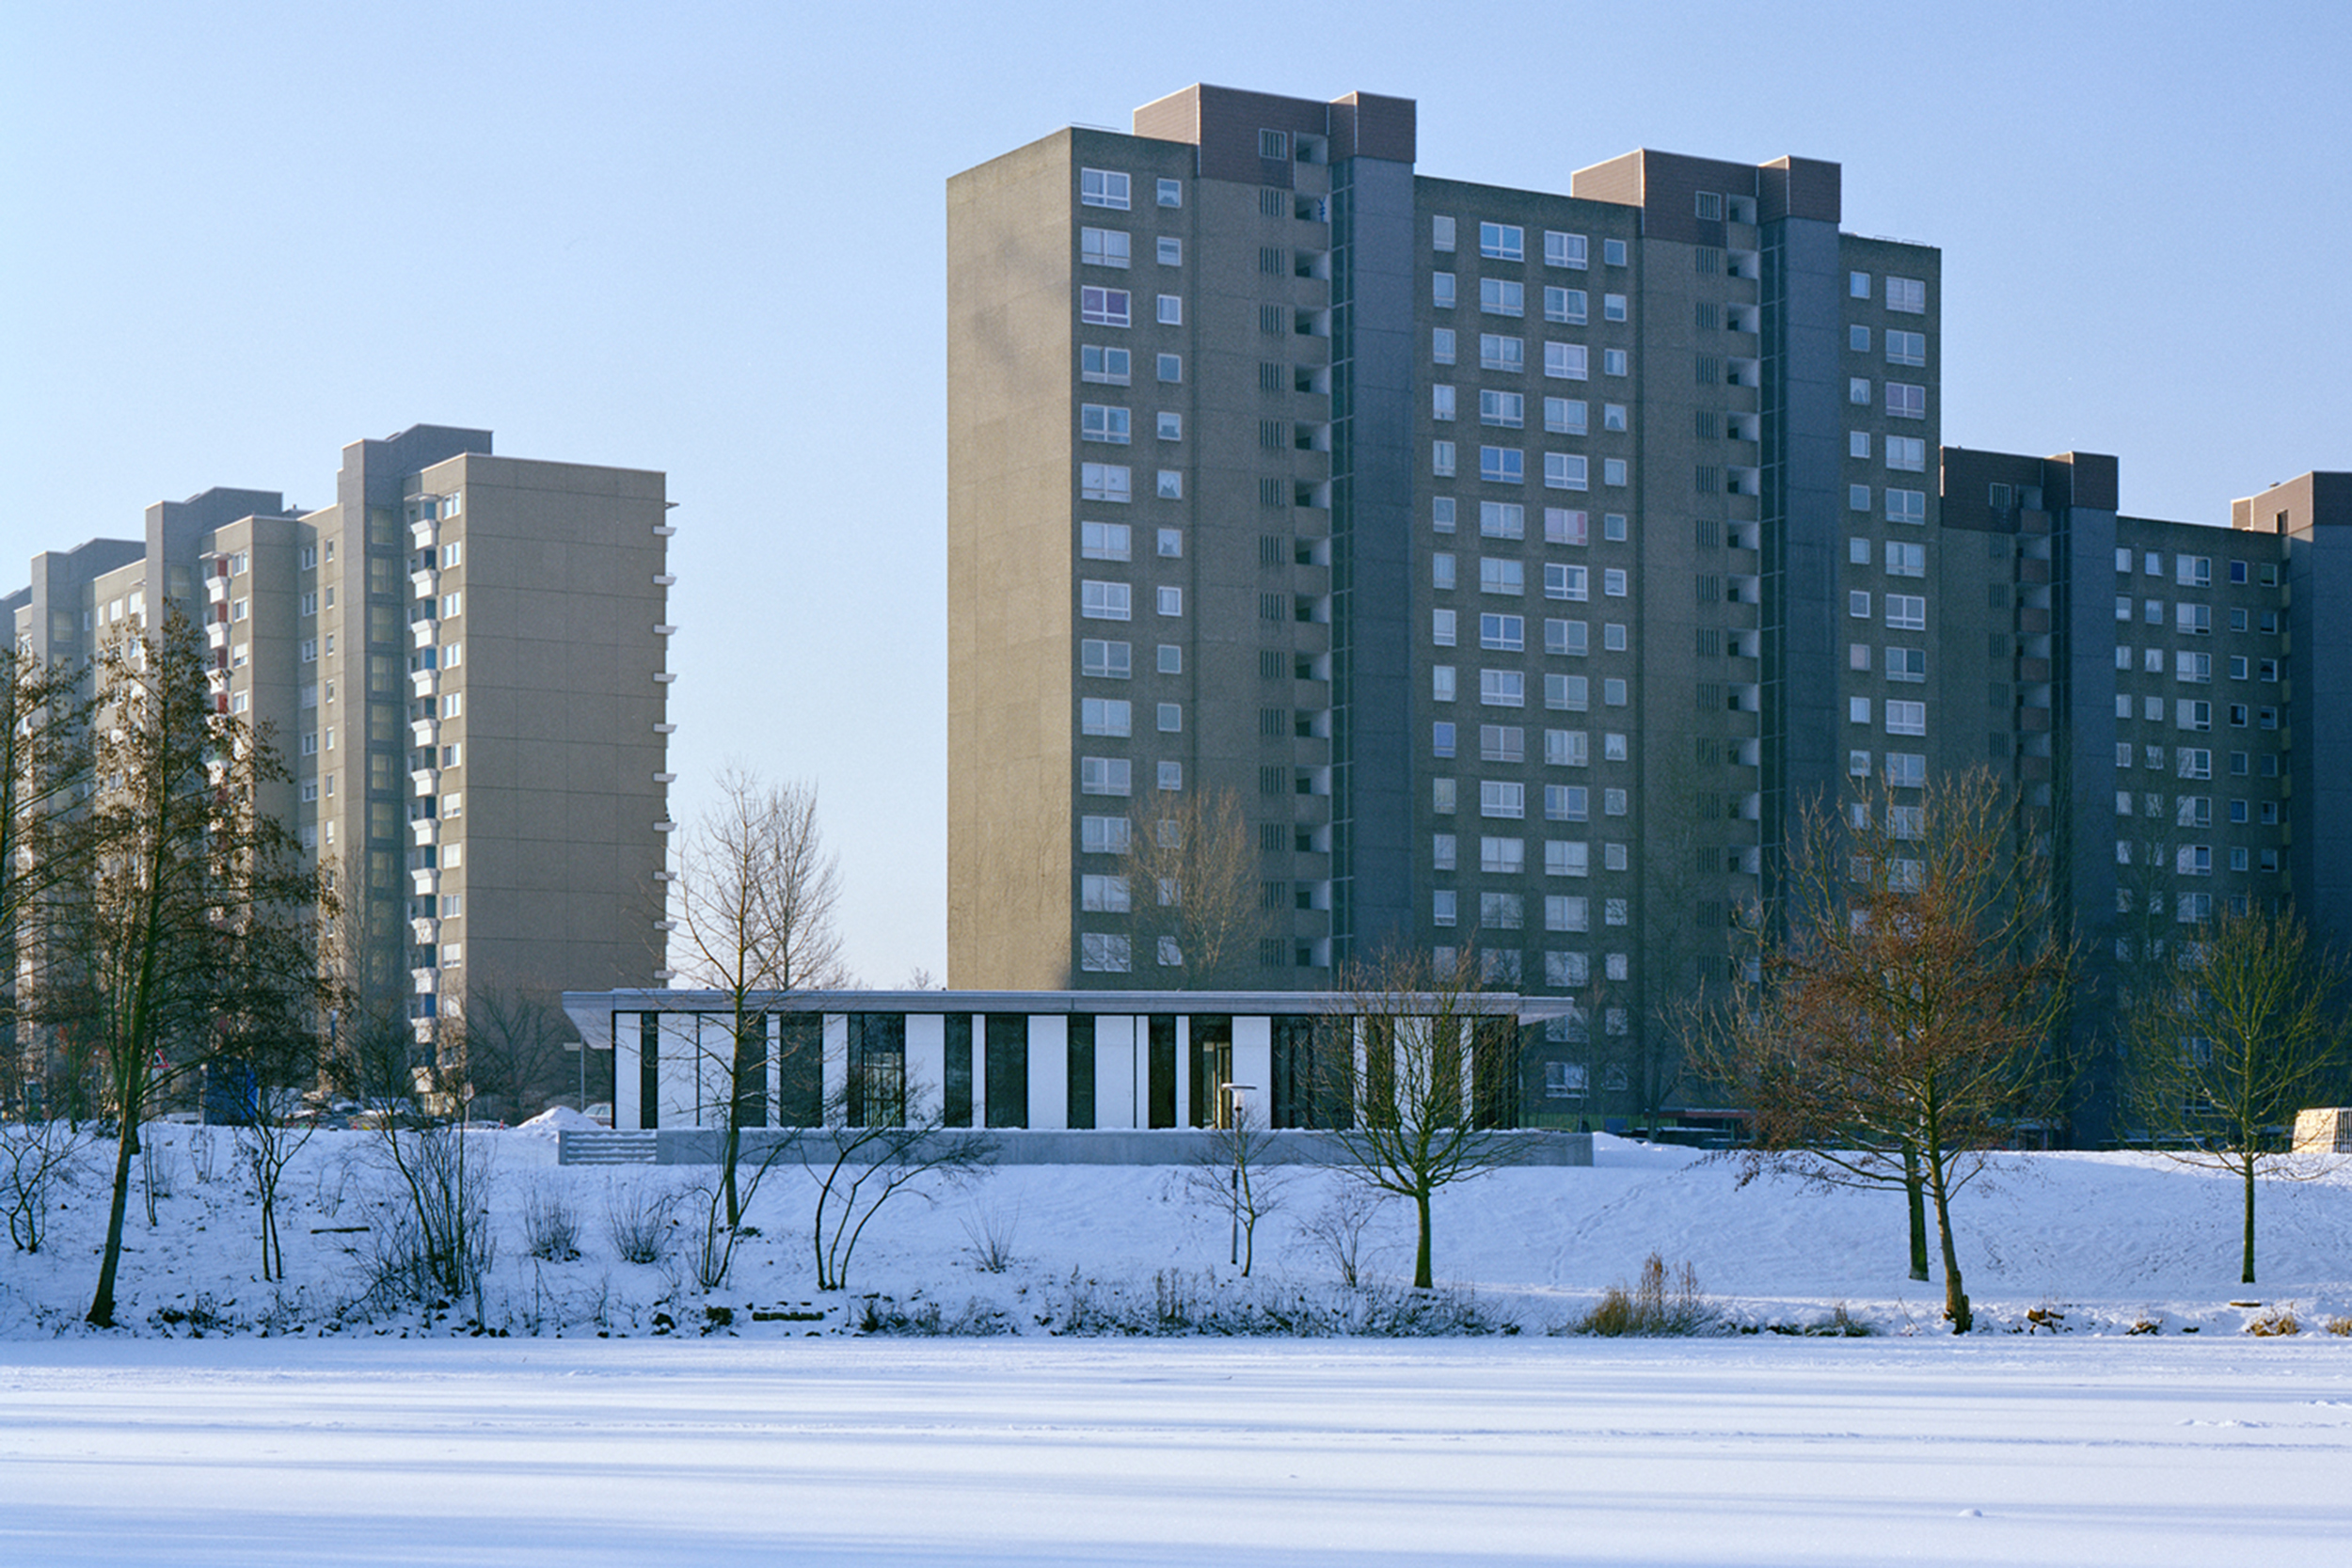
{"x": 1508, "y": 634}
{"x": 1508, "y": 242}
{"x": 1115, "y": 601}
{"x": 1905, "y": 453}
{"x": 1906, "y": 295}
{"x": 1902, "y": 506}
{"x": 1105, "y": 659}
{"x": 1562, "y": 470}
{"x": 1115, "y": 483}
{"x": 1503, "y": 575}
{"x": 1110, "y": 188}
{"x": 1903, "y": 718}
{"x": 1115, "y": 426}
{"x": 1113, "y": 247}
{"x": 1905, "y": 401}
{"x": 1114, "y": 366}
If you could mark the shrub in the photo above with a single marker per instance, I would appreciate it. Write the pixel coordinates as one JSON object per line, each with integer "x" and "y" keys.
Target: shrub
{"x": 551, "y": 1226}
{"x": 2340, "y": 1328}
{"x": 1656, "y": 1304}
{"x": 2276, "y": 1323}
{"x": 990, "y": 1231}
{"x": 638, "y": 1223}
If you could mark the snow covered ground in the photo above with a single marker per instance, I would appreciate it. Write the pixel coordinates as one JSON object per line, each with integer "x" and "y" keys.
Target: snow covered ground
{"x": 305, "y": 1424}
{"x": 1744, "y": 1450}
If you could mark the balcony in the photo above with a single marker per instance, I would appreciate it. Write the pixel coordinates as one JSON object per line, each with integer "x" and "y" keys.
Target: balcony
{"x": 423, "y": 732}
{"x": 2032, "y": 621}
{"x": 424, "y": 584}
{"x": 422, "y": 683}
{"x": 425, "y": 830}
{"x": 424, "y": 881}
{"x": 422, "y": 781}
{"x": 217, "y": 589}
{"x": 421, "y": 533}
{"x": 422, "y": 632}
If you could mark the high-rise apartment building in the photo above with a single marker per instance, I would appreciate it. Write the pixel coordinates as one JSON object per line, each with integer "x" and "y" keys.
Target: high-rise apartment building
{"x": 462, "y": 661}
{"x": 1526, "y": 563}
{"x": 1490, "y": 543}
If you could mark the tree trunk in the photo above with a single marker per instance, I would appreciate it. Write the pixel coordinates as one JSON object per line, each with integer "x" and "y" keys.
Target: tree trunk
{"x": 1914, "y": 1199}
{"x": 101, "y": 1305}
{"x": 2245, "y": 1274}
{"x": 1955, "y": 1299}
{"x": 1422, "y": 1279}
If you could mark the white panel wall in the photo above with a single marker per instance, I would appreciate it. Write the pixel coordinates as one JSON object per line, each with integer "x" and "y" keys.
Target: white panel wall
{"x": 677, "y": 1061}
{"x": 979, "y": 1070}
{"x": 627, "y": 1070}
{"x": 1117, "y": 1070}
{"x": 927, "y": 1064}
{"x": 1253, "y": 1063}
{"x": 1049, "y": 1071}
{"x": 1184, "y": 1069}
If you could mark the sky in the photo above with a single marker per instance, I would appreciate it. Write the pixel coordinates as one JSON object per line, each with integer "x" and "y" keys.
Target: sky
{"x": 707, "y": 238}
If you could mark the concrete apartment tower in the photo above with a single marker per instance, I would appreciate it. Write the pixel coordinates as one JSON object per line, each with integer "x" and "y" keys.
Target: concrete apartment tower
{"x": 1491, "y": 545}
{"x": 463, "y": 660}
{"x": 1529, "y": 564}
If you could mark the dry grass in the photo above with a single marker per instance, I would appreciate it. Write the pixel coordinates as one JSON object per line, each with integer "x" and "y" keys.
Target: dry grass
{"x": 1657, "y": 1304}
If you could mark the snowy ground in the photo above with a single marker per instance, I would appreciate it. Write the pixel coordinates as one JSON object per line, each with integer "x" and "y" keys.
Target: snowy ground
{"x": 2075, "y": 1451}
{"x": 308, "y": 1424}
{"x": 2108, "y": 1241}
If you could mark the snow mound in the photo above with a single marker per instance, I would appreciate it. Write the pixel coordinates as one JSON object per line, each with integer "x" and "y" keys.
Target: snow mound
{"x": 558, "y": 1118}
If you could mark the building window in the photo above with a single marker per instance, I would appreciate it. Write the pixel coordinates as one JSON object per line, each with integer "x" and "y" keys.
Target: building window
{"x": 1441, "y": 739}
{"x": 1111, "y": 716}
{"x": 1104, "y": 601}
{"x": 1906, "y": 348}
{"x": 1502, "y": 633}
{"x": 1441, "y": 627}
{"x": 1503, "y": 242}
{"x": 1564, "y": 470}
{"x": 1612, "y": 471}
{"x": 1103, "y": 482}
{"x": 1906, "y": 664}
{"x": 1171, "y": 484}
{"x": 1171, "y": 659}
{"x": 1502, "y": 520}
{"x": 1564, "y": 416}
{"x": 1170, "y": 369}
{"x": 1563, "y": 581}
{"x": 1102, "y": 187}
{"x": 1441, "y": 291}
{"x": 1565, "y": 304}
{"x": 1171, "y": 721}
{"x": 1906, "y": 561}
{"x": 1099, "y": 953}
{"x": 1503, "y": 687}
{"x": 1098, "y": 422}
{"x": 1506, "y": 856}
{"x": 1906, "y": 294}
{"x": 1105, "y": 660}
{"x": 1098, "y": 363}
{"x": 1612, "y": 252}
{"x": 1906, "y": 452}
{"x": 1565, "y": 250}
{"x": 1442, "y": 401}
{"x": 1505, "y": 410}
{"x": 1906, "y": 401}
{"x": 1171, "y": 251}
{"x": 1501, "y": 296}
{"x": 1104, "y": 775}
{"x": 1906, "y": 717}
{"x": 1498, "y": 351}
{"x": 1906, "y": 506}
{"x": 1105, "y": 307}
{"x": 1103, "y": 247}
{"x": 1441, "y": 459}
{"x": 1171, "y": 601}
{"x": 1104, "y": 541}
{"x": 1612, "y": 361}
{"x": 1904, "y": 611}
{"x": 1500, "y": 575}
{"x": 1441, "y": 570}
{"x": 1566, "y": 361}
{"x": 1104, "y": 835}
{"x": 1498, "y": 797}
{"x": 1440, "y": 233}
{"x": 1502, "y": 465}
{"x": 1171, "y": 193}
{"x": 1172, "y": 310}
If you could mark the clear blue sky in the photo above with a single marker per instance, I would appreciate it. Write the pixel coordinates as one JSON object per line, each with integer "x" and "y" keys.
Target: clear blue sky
{"x": 707, "y": 238}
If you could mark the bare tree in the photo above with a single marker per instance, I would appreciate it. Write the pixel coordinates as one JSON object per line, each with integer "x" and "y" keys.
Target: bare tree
{"x": 861, "y": 1160}
{"x": 192, "y": 928}
{"x": 1421, "y": 1082}
{"x": 1910, "y": 986}
{"x": 756, "y": 898}
{"x": 1231, "y": 1177}
{"x": 2243, "y": 1028}
{"x": 515, "y": 1059}
{"x": 1192, "y": 881}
